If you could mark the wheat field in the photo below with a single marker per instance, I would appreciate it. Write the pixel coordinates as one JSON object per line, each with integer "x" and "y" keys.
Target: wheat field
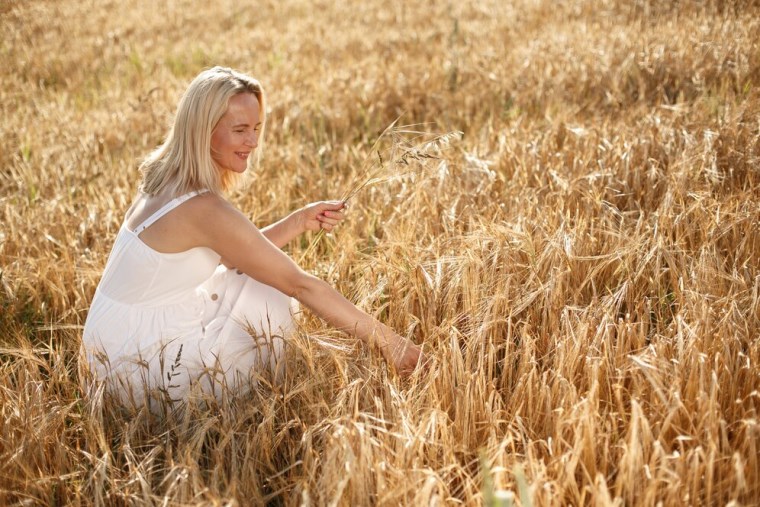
{"x": 581, "y": 264}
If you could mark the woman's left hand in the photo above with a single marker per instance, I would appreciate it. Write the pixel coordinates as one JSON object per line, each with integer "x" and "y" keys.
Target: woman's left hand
{"x": 322, "y": 215}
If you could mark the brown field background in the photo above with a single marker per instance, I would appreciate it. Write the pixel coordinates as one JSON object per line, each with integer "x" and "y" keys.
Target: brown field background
{"x": 582, "y": 265}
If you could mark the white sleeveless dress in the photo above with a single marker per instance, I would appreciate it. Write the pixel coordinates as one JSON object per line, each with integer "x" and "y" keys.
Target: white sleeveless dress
{"x": 162, "y": 322}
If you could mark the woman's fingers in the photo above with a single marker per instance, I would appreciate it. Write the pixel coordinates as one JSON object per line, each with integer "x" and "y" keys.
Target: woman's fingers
{"x": 409, "y": 358}
{"x": 325, "y": 215}
{"x": 332, "y": 216}
{"x": 332, "y": 205}
{"x": 330, "y": 219}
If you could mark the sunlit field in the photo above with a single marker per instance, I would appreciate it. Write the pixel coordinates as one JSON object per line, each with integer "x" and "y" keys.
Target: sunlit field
{"x": 581, "y": 263}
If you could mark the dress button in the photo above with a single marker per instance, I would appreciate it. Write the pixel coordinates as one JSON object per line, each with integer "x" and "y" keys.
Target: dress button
{"x": 239, "y": 272}
{"x": 214, "y": 297}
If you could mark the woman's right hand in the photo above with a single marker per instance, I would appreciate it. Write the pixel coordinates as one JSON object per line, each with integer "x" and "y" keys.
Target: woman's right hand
{"x": 403, "y": 354}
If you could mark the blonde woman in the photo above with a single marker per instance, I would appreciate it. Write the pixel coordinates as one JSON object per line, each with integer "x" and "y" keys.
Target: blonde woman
{"x": 189, "y": 273}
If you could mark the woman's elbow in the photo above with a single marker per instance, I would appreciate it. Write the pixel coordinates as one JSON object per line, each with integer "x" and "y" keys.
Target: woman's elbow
{"x": 302, "y": 285}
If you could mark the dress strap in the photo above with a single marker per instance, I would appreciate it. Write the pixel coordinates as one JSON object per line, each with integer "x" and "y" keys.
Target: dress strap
{"x": 166, "y": 208}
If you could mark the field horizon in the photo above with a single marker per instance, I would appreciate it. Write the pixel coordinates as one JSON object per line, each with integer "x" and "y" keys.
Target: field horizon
{"x": 580, "y": 260}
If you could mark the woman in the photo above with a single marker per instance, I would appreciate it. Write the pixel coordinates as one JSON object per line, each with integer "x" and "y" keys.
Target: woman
{"x": 193, "y": 293}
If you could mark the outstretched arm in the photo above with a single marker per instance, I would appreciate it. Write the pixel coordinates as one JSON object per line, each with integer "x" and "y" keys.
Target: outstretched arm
{"x": 313, "y": 217}
{"x": 330, "y": 305}
{"x": 227, "y": 231}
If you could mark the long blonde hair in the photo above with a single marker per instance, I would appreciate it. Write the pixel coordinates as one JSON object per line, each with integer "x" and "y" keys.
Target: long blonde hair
{"x": 183, "y": 162}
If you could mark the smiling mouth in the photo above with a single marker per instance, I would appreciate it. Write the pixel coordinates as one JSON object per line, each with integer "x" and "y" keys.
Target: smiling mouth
{"x": 243, "y": 155}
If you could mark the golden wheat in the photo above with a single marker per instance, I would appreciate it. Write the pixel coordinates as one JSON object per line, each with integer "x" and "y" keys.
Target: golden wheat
{"x": 582, "y": 266}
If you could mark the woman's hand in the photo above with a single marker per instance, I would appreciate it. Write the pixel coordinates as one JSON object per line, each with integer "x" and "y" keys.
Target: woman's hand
{"x": 322, "y": 215}
{"x": 404, "y": 355}
{"x": 313, "y": 217}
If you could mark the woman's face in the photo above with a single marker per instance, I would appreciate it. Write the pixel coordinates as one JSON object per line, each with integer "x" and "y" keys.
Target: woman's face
{"x": 236, "y": 135}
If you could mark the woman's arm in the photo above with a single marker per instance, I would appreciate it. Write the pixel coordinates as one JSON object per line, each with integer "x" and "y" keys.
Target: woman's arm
{"x": 228, "y": 232}
{"x": 329, "y": 304}
{"x": 319, "y": 215}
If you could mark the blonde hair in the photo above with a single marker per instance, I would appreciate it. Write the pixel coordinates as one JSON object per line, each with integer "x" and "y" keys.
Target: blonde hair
{"x": 183, "y": 162}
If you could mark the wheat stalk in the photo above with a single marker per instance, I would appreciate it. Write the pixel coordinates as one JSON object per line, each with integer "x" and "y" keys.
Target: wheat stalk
{"x": 406, "y": 146}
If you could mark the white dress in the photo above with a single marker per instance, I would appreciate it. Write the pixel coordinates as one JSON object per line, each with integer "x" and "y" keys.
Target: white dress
{"x": 161, "y": 323}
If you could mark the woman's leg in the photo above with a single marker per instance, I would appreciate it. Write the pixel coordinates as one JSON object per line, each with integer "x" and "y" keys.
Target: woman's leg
{"x": 256, "y": 320}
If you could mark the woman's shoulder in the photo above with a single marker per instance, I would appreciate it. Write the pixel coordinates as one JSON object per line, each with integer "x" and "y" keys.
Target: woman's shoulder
{"x": 213, "y": 221}
{"x": 207, "y": 209}
{"x": 208, "y": 202}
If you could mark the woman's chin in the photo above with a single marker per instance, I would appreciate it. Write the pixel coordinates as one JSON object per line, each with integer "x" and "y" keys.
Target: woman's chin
{"x": 237, "y": 170}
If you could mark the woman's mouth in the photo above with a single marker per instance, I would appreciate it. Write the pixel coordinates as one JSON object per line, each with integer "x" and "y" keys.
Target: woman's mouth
{"x": 243, "y": 154}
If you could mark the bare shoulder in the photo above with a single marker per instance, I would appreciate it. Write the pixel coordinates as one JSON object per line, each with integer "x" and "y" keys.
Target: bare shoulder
{"x": 208, "y": 205}
{"x": 210, "y": 214}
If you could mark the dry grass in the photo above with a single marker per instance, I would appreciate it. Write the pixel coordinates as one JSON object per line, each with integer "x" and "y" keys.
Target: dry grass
{"x": 582, "y": 266}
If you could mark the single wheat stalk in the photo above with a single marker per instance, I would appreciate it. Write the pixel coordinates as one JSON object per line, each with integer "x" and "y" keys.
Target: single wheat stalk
{"x": 406, "y": 146}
